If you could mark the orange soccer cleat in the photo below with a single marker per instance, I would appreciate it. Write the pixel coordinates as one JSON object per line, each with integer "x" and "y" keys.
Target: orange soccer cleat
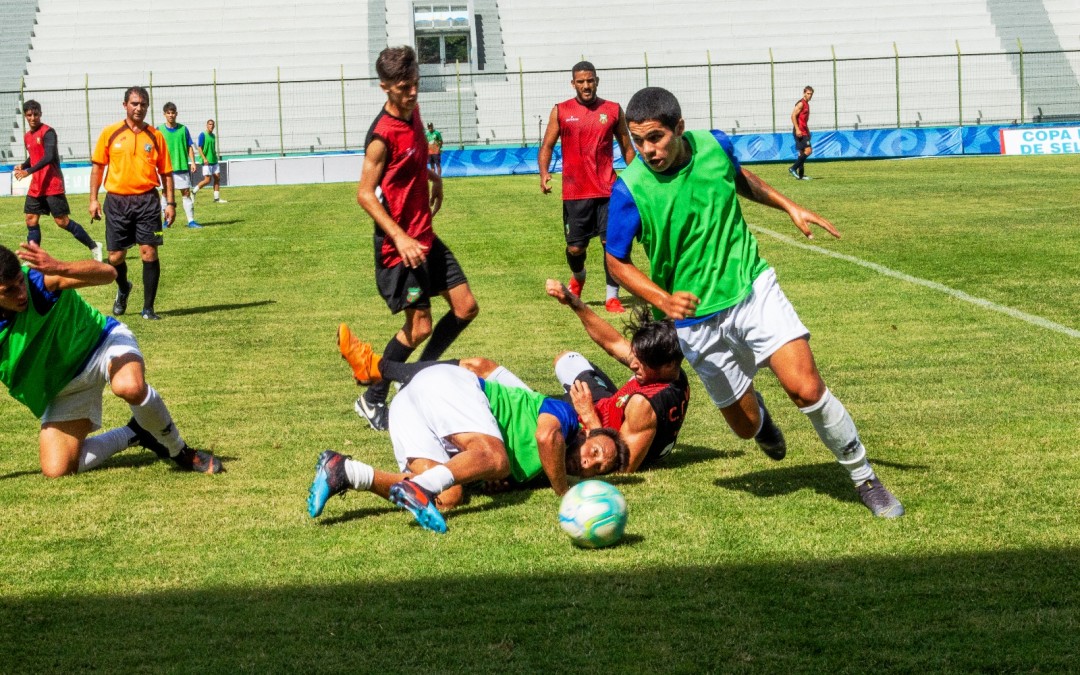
{"x": 361, "y": 357}
{"x": 614, "y": 306}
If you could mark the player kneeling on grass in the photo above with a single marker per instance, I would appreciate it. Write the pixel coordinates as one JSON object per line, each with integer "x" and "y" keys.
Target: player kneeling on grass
{"x": 450, "y": 428}
{"x": 57, "y": 353}
{"x": 731, "y": 317}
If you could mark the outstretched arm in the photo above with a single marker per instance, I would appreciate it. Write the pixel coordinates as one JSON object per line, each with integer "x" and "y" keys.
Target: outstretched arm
{"x": 755, "y": 189}
{"x": 60, "y": 274}
{"x": 552, "y": 447}
{"x": 601, "y": 332}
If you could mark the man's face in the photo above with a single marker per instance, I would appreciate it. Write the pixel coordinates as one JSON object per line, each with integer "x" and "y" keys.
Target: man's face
{"x": 13, "y": 296}
{"x": 170, "y": 118}
{"x": 807, "y": 95}
{"x": 647, "y": 374}
{"x": 402, "y": 94}
{"x": 33, "y": 118}
{"x": 660, "y": 146}
{"x": 595, "y": 457}
{"x": 210, "y": 126}
{"x": 584, "y": 82}
{"x": 135, "y": 107}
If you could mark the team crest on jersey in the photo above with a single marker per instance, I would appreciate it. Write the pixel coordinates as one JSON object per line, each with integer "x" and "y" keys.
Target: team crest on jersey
{"x": 603, "y": 118}
{"x": 148, "y": 147}
{"x": 621, "y": 403}
{"x": 413, "y": 294}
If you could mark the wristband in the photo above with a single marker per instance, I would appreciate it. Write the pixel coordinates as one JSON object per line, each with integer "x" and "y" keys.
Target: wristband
{"x": 170, "y": 203}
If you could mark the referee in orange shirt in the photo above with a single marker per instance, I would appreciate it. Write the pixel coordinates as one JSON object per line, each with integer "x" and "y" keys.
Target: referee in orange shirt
{"x": 137, "y": 162}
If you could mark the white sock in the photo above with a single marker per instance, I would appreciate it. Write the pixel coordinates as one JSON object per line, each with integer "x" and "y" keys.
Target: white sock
{"x": 503, "y": 376}
{"x": 837, "y": 431}
{"x": 612, "y": 291}
{"x": 189, "y": 208}
{"x": 195, "y": 190}
{"x": 217, "y": 194}
{"x": 97, "y": 449}
{"x": 360, "y": 475}
{"x": 435, "y": 480}
{"x": 153, "y": 416}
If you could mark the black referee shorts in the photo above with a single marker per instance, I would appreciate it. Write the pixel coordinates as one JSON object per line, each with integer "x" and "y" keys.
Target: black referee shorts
{"x": 131, "y": 220}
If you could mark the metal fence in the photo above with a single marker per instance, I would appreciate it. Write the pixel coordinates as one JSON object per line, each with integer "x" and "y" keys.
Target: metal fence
{"x": 282, "y": 117}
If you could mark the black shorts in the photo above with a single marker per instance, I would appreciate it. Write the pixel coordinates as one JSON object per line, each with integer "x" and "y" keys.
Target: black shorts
{"x": 801, "y": 142}
{"x": 132, "y": 219}
{"x": 412, "y": 288}
{"x": 584, "y": 219}
{"x": 47, "y": 205}
{"x": 599, "y": 384}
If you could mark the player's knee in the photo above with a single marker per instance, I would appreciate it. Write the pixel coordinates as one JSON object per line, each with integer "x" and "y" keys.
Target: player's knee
{"x": 808, "y": 151}
{"x": 56, "y": 463}
{"x": 469, "y": 312}
{"x": 807, "y": 392}
{"x": 560, "y": 357}
{"x": 479, "y": 365}
{"x": 132, "y": 390}
{"x": 576, "y": 250}
{"x": 62, "y": 222}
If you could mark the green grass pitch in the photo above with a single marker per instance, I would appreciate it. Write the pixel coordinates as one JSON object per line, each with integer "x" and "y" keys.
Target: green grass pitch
{"x": 732, "y": 562}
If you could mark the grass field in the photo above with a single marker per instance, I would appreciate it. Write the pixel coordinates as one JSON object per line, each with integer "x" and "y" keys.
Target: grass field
{"x": 732, "y": 562}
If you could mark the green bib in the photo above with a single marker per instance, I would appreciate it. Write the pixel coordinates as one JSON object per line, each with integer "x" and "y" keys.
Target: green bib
{"x": 516, "y": 412}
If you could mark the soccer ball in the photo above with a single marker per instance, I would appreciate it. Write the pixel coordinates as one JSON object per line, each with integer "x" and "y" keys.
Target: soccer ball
{"x": 593, "y": 513}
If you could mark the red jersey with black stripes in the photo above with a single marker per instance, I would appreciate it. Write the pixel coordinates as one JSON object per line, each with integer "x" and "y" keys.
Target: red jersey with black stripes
{"x": 587, "y": 133}
{"x": 668, "y": 401}
{"x": 403, "y": 186}
{"x": 48, "y": 180}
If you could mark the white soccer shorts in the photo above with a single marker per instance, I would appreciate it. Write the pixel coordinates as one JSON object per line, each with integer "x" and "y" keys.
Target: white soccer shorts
{"x": 211, "y": 169}
{"x": 727, "y": 350}
{"x": 440, "y": 401}
{"x": 181, "y": 180}
{"x": 81, "y": 398}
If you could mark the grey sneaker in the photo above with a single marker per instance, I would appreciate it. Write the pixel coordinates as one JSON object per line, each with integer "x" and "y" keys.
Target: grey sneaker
{"x": 879, "y": 500}
{"x": 120, "y": 304}
{"x": 770, "y": 439}
{"x": 376, "y": 414}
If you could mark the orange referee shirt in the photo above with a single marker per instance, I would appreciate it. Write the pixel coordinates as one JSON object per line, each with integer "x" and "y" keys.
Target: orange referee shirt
{"x": 135, "y": 160}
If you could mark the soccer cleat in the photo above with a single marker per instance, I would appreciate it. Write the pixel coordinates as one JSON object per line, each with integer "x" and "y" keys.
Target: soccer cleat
{"x": 614, "y": 306}
{"x": 220, "y": 201}
{"x": 805, "y": 178}
{"x": 330, "y": 480}
{"x": 192, "y": 225}
{"x": 146, "y": 440}
{"x": 576, "y": 286}
{"x": 198, "y": 461}
{"x": 120, "y": 304}
{"x": 419, "y": 502}
{"x": 770, "y": 439}
{"x": 95, "y": 252}
{"x": 376, "y": 414}
{"x": 150, "y": 315}
{"x": 360, "y": 356}
{"x": 879, "y": 500}
{"x": 794, "y": 173}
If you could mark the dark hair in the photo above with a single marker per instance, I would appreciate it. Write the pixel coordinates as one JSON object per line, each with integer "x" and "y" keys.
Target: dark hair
{"x": 10, "y": 267}
{"x": 396, "y": 64}
{"x": 31, "y": 105}
{"x": 655, "y": 343}
{"x": 654, "y": 103}
{"x": 169, "y": 107}
{"x": 622, "y": 450}
{"x": 141, "y": 91}
{"x": 583, "y": 66}
{"x": 808, "y": 88}
{"x": 211, "y": 120}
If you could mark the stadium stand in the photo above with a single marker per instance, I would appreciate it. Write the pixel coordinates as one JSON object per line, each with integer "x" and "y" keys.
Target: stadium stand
{"x": 15, "y": 31}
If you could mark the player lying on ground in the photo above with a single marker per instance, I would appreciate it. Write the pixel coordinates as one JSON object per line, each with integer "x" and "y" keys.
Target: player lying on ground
{"x": 57, "y": 353}
{"x": 730, "y": 314}
{"x": 450, "y": 428}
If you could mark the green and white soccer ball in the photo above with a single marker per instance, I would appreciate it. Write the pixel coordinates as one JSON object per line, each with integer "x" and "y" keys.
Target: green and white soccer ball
{"x": 593, "y": 513}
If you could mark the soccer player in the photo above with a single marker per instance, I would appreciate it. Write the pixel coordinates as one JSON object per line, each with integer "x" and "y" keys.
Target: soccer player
{"x": 449, "y": 428}
{"x": 138, "y": 163}
{"x": 800, "y": 121}
{"x": 57, "y": 353}
{"x": 207, "y": 145}
{"x": 46, "y": 195}
{"x": 586, "y": 124}
{"x": 182, "y": 155}
{"x": 730, "y": 314}
{"x": 412, "y": 265}
{"x": 434, "y": 148}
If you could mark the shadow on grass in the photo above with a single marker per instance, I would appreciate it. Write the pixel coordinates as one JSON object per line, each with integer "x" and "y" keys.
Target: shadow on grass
{"x": 215, "y": 308}
{"x": 18, "y": 474}
{"x": 977, "y": 612}
{"x": 684, "y": 455}
{"x": 826, "y": 479}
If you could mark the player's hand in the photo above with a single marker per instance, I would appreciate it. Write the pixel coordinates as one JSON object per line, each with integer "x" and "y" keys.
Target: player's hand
{"x": 804, "y": 218}
{"x": 436, "y": 193}
{"x": 581, "y": 397}
{"x": 36, "y": 258}
{"x": 20, "y": 174}
{"x": 170, "y": 215}
{"x": 680, "y": 305}
{"x": 413, "y": 253}
{"x": 560, "y": 292}
{"x": 545, "y": 183}
{"x": 95, "y": 209}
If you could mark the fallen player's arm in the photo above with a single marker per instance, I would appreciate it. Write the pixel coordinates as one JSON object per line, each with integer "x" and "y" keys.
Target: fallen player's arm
{"x": 600, "y": 331}
{"x": 638, "y": 430}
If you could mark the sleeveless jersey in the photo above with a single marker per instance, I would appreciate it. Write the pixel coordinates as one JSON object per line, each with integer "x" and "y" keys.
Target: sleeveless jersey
{"x": 517, "y": 411}
{"x": 668, "y": 401}
{"x": 690, "y": 225}
{"x": 178, "y": 141}
{"x": 48, "y": 180}
{"x": 208, "y": 143}
{"x": 403, "y": 187}
{"x": 587, "y": 155}
{"x": 803, "y": 118}
{"x": 44, "y": 347}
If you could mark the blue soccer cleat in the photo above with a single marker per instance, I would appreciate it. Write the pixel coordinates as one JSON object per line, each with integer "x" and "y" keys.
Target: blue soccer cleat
{"x": 330, "y": 480}
{"x": 419, "y": 502}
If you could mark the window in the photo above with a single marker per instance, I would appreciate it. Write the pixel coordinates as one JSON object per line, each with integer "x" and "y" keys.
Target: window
{"x": 442, "y": 33}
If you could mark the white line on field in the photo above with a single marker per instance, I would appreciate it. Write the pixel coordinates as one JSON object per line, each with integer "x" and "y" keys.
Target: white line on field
{"x": 959, "y": 295}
